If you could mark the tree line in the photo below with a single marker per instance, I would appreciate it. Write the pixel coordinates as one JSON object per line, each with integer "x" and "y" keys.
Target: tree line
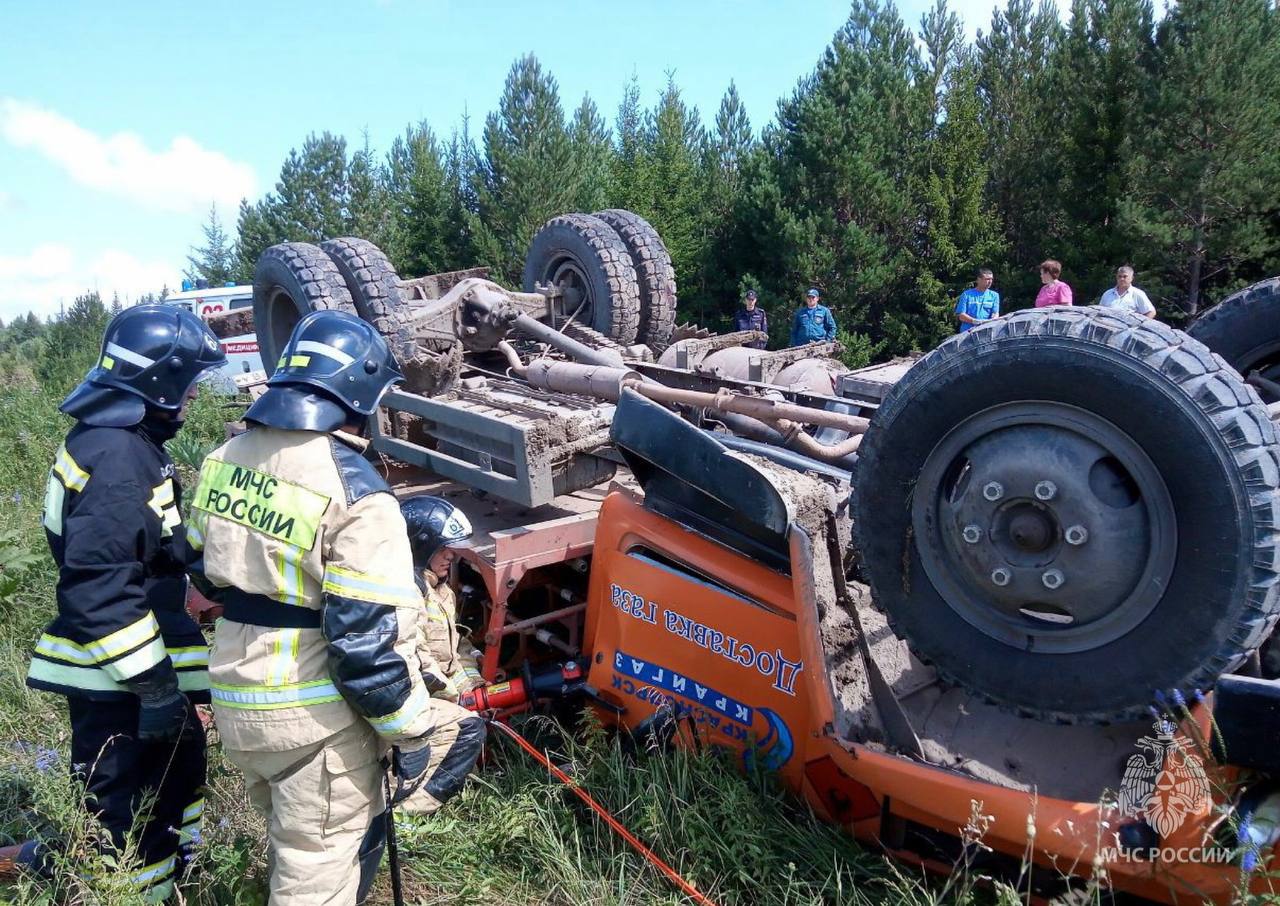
{"x": 903, "y": 161}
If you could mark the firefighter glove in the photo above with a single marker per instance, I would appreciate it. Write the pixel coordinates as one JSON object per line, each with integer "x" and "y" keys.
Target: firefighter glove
{"x": 162, "y": 714}
{"x": 409, "y": 767}
{"x": 439, "y": 686}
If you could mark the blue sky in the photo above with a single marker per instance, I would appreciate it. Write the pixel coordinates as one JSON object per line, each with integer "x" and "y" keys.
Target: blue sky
{"x": 121, "y": 123}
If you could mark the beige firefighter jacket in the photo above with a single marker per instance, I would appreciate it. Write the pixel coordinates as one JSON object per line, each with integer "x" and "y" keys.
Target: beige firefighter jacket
{"x": 440, "y": 639}
{"x": 302, "y": 535}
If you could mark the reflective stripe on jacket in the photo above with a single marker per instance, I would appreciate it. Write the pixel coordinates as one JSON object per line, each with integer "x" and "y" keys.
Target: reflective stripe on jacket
{"x": 112, "y": 522}
{"x": 302, "y": 519}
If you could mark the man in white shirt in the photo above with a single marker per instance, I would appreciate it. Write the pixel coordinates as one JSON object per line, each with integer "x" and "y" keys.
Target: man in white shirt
{"x": 1127, "y": 297}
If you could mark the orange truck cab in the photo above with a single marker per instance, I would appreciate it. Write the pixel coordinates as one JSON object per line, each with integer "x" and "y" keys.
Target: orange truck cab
{"x": 713, "y": 602}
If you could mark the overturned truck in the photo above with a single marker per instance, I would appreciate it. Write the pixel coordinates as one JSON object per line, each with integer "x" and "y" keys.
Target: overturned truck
{"x": 975, "y": 577}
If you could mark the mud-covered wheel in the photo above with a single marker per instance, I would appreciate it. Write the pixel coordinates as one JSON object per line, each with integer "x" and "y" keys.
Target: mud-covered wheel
{"x": 1244, "y": 329}
{"x": 292, "y": 279}
{"x": 588, "y": 261}
{"x": 375, "y": 289}
{"x": 654, "y": 273}
{"x": 1068, "y": 511}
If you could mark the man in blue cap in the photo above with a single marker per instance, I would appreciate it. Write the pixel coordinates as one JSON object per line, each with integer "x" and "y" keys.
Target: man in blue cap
{"x": 813, "y": 323}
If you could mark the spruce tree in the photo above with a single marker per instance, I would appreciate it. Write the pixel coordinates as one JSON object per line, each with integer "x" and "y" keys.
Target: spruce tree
{"x": 593, "y": 156}
{"x": 368, "y": 210}
{"x": 215, "y": 261}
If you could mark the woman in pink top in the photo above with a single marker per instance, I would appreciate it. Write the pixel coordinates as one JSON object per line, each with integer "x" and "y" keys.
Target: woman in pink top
{"x": 1054, "y": 291}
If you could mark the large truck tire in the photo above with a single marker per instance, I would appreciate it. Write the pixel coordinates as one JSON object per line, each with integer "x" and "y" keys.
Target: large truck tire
{"x": 290, "y": 280}
{"x": 375, "y": 289}
{"x": 586, "y": 256}
{"x": 1072, "y": 511}
{"x": 654, "y": 272}
{"x": 1244, "y": 329}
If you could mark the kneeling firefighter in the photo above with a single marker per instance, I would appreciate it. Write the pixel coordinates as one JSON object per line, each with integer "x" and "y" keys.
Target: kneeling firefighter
{"x": 435, "y": 526}
{"x": 122, "y": 648}
{"x": 314, "y": 671}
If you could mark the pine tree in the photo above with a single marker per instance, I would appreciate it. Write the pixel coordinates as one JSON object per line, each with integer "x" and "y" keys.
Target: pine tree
{"x": 1022, "y": 122}
{"x": 460, "y": 164}
{"x": 671, "y": 161}
{"x": 214, "y": 262}
{"x": 829, "y": 199}
{"x": 77, "y": 338}
{"x": 312, "y": 197}
{"x": 959, "y": 231}
{"x": 312, "y": 202}
{"x": 1102, "y": 71}
{"x": 420, "y": 201}
{"x": 1206, "y": 194}
{"x": 724, "y": 174}
{"x": 526, "y": 175}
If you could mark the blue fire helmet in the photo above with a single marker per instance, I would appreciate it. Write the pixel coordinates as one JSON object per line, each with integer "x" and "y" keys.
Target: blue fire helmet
{"x": 433, "y": 523}
{"x": 332, "y": 372}
{"x": 151, "y": 357}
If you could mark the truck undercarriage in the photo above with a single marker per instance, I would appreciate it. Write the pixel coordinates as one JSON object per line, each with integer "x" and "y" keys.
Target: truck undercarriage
{"x": 996, "y": 575}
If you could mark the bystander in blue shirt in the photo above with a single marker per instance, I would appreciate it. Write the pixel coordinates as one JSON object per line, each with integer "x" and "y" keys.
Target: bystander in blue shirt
{"x": 979, "y": 303}
{"x": 813, "y": 323}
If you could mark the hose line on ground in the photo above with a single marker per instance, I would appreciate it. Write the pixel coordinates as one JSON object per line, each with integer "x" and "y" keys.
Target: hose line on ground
{"x": 654, "y": 859}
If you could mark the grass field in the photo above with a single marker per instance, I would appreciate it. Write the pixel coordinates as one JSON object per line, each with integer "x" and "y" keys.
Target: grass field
{"x": 514, "y": 837}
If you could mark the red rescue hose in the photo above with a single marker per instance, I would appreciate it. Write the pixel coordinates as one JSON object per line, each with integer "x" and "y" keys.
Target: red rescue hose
{"x": 654, "y": 859}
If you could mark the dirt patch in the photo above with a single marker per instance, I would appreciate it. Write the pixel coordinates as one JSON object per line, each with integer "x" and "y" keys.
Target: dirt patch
{"x": 430, "y": 374}
{"x": 235, "y": 323}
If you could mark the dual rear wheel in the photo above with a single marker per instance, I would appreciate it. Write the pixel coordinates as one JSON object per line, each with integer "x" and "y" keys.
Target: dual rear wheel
{"x": 613, "y": 274}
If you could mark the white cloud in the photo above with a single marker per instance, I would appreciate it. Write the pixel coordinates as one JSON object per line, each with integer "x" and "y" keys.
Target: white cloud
{"x": 183, "y": 178}
{"x": 52, "y": 275}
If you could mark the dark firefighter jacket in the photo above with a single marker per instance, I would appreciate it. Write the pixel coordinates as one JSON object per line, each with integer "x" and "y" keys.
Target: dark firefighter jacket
{"x": 112, "y": 521}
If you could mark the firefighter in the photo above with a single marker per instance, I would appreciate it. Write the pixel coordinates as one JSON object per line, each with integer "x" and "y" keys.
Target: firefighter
{"x": 315, "y": 672}
{"x": 435, "y": 526}
{"x": 122, "y": 648}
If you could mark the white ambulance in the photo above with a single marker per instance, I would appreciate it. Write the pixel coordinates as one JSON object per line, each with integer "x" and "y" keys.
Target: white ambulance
{"x": 228, "y": 310}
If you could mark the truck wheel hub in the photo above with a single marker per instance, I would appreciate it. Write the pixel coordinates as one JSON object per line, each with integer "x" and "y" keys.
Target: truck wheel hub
{"x": 1055, "y": 593}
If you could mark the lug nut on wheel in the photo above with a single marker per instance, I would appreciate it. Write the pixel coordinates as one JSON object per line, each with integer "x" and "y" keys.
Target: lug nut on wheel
{"x": 972, "y": 534}
{"x": 1046, "y": 490}
{"x": 1077, "y": 535}
{"x": 1000, "y": 576}
{"x": 993, "y": 490}
{"x": 1053, "y": 578}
